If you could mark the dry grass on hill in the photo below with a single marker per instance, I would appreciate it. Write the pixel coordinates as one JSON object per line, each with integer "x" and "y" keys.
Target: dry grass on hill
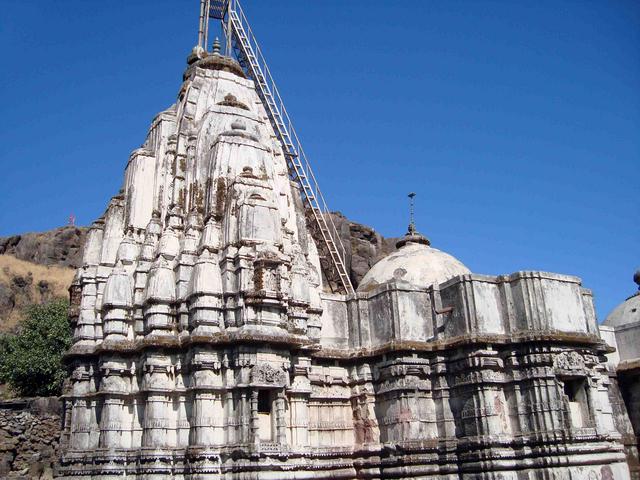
{"x": 23, "y": 283}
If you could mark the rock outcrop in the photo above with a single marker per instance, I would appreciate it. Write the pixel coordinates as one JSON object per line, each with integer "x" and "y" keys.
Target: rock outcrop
{"x": 363, "y": 245}
{"x": 61, "y": 246}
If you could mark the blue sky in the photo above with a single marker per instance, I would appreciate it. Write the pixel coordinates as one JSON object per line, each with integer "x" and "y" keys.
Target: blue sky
{"x": 516, "y": 122}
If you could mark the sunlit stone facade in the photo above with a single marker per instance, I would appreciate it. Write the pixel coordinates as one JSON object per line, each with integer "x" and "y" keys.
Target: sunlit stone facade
{"x": 207, "y": 345}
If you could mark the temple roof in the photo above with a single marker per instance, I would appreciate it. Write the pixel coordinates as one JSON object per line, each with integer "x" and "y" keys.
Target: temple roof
{"x": 415, "y": 262}
{"x": 628, "y": 311}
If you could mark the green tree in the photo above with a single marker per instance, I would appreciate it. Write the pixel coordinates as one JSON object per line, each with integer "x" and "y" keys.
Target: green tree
{"x": 31, "y": 359}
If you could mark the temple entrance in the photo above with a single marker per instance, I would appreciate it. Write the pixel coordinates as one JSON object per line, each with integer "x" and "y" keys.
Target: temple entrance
{"x": 265, "y": 416}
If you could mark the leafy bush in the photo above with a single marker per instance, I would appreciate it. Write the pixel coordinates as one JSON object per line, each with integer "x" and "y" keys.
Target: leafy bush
{"x": 31, "y": 360}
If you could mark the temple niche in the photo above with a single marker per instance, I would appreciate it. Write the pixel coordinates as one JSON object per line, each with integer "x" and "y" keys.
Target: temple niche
{"x": 209, "y": 344}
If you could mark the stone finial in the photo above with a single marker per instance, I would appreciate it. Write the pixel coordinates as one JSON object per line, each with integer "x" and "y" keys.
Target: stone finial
{"x": 216, "y": 46}
{"x": 636, "y": 278}
{"x": 412, "y": 224}
{"x": 412, "y": 235}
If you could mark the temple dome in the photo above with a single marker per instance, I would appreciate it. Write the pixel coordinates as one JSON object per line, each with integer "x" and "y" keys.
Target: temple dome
{"x": 414, "y": 262}
{"x": 628, "y": 311}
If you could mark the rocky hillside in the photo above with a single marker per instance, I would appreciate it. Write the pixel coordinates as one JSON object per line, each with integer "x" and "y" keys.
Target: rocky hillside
{"x": 36, "y": 267}
{"x": 23, "y": 283}
{"x": 61, "y": 247}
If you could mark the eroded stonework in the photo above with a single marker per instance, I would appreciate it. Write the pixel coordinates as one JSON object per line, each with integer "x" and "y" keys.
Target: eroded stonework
{"x": 621, "y": 330}
{"x": 206, "y": 346}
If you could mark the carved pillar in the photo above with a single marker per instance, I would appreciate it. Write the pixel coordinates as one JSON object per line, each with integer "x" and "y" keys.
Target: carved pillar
{"x": 603, "y": 413}
{"x": 80, "y": 426}
{"x": 81, "y": 408}
{"x": 205, "y": 420}
{"x": 137, "y": 418}
{"x": 429, "y": 419}
{"x": 156, "y": 423}
{"x": 232, "y": 420}
{"x": 182, "y": 422}
{"x": 299, "y": 402}
{"x": 281, "y": 422}
{"x": 254, "y": 425}
{"x": 66, "y": 423}
{"x": 245, "y": 416}
{"x": 299, "y": 408}
{"x": 111, "y": 424}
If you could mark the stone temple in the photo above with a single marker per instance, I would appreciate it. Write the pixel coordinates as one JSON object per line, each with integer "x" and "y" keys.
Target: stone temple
{"x": 209, "y": 343}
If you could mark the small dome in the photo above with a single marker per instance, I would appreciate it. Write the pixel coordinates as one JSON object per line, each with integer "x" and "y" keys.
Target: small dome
{"x": 628, "y": 311}
{"x": 414, "y": 262}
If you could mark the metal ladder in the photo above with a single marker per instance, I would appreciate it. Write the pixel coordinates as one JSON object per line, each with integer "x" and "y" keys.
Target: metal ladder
{"x": 246, "y": 49}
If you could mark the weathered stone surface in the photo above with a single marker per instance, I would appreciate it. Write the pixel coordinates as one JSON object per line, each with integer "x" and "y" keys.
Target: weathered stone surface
{"x": 415, "y": 263}
{"x": 621, "y": 330}
{"x": 29, "y": 438}
{"x": 61, "y": 246}
{"x": 208, "y": 345}
{"x": 364, "y": 247}
{"x": 64, "y": 246}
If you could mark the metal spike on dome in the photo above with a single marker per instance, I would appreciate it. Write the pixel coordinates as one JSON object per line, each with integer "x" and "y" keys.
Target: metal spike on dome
{"x": 412, "y": 223}
{"x": 412, "y": 235}
{"x": 216, "y": 46}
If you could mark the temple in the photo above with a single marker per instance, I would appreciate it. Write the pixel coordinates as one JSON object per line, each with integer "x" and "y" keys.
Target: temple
{"x": 211, "y": 343}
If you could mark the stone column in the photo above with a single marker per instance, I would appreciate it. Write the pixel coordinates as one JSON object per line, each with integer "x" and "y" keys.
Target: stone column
{"x": 202, "y": 424}
{"x": 254, "y": 425}
{"x": 446, "y": 422}
{"x": 137, "y": 419}
{"x": 110, "y": 422}
{"x": 155, "y": 422}
{"x": 281, "y": 421}
{"x": 66, "y": 423}
{"x": 604, "y": 409}
{"x": 299, "y": 404}
{"x": 80, "y": 425}
{"x": 232, "y": 419}
{"x": 183, "y": 427}
{"x": 245, "y": 416}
